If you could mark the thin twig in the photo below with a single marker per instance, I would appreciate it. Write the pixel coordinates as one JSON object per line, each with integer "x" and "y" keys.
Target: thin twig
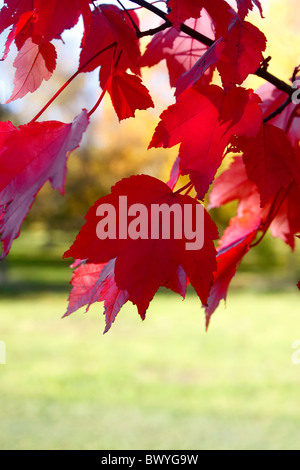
{"x": 187, "y": 186}
{"x": 137, "y": 29}
{"x": 99, "y": 101}
{"x": 279, "y": 84}
{"x": 70, "y": 80}
{"x": 285, "y": 104}
{"x": 104, "y": 90}
{"x": 151, "y": 32}
{"x": 151, "y": 8}
{"x": 279, "y": 110}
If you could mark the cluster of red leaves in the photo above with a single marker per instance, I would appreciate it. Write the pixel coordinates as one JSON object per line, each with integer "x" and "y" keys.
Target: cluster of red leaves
{"x": 208, "y": 122}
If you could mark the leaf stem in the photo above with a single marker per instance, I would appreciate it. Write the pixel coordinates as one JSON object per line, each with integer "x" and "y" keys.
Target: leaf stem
{"x": 99, "y": 100}
{"x": 70, "y": 80}
{"x": 188, "y": 186}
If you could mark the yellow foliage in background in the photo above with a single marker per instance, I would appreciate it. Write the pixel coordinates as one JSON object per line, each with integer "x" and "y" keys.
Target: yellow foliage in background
{"x": 281, "y": 27}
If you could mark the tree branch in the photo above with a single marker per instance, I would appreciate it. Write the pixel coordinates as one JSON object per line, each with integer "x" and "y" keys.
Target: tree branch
{"x": 152, "y": 8}
{"x": 151, "y": 32}
{"x": 279, "y": 110}
{"x": 281, "y": 85}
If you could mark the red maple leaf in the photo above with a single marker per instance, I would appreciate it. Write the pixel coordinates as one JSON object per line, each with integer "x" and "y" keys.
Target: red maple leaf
{"x": 128, "y": 94}
{"x": 31, "y": 155}
{"x": 228, "y": 261}
{"x": 241, "y": 53}
{"x": 55, "y": 16}
{"x": 34, "y": 63}
{"x": 34, "y": 25}
{"x": 25, "y": 19}
{"x": 236, "y": 56}
{"x": 289, "y": 119}
{"x": 12, "y": 11}
{"x": 51, "y": 18}
{"x": 145, "y": 264}
{"x": 286, "y": 224}
{"x": 179, "y": 50}
{"x": 283, "y": 208}
{"x": 203, "y": 121}
{"x": 251, "y": 217}
{"x": 232, "y": 184}
{"x": 235, "y": 243}
{"x": 95, "y": 283}
{"x": 270, "y": 160}
{"x": 110, "y": 25}
{"x": 219, "y": 10}
{"x": 202, "y": 70}
{"x": 244, "y": 6}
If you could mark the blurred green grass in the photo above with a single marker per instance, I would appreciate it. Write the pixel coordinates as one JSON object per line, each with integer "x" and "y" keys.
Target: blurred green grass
{"x": 160, "y": 384}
